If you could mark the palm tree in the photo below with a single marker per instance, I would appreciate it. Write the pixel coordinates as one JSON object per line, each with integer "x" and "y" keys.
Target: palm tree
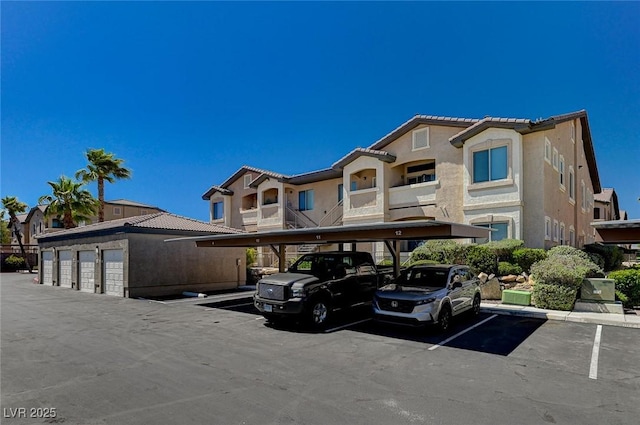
{"x": 69, "y": 201}
{"x": 14, "y": 207}
{"x": 103, "y": 166}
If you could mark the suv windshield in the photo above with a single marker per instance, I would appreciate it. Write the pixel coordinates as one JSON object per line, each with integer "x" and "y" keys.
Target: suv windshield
{"x": 431, "y": 278}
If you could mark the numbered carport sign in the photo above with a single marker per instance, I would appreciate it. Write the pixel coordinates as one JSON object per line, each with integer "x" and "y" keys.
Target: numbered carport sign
{"x": 86, "y": 271}
{"x": 47, "y": 268}
{"x": 113, "y": 272}
{"x": 64, "y": 268}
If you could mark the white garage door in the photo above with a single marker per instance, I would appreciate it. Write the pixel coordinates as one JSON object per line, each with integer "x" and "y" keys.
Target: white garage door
{"x": 113, "y": 272}
{"x": 64, "y": 268}
{"x": 47, "y": 268}
{"x": 86, "y": 270}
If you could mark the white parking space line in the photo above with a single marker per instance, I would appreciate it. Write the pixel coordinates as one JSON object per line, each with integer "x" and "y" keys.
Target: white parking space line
{"x": 440, "y": 344}
{"x": 595, "y": 353}
{"x": 346, "y": 326}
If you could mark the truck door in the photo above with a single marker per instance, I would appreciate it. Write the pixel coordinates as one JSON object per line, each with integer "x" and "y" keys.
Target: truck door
{"x": 367, "y": 279}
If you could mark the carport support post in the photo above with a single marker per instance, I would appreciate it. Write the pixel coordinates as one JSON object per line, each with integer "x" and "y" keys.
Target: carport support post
{"x": 281, "y": 253}
{"x": 395, "y": 254}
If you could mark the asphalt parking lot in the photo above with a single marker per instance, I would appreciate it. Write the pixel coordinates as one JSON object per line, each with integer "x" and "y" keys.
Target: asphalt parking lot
{"x": 94, "y": 359}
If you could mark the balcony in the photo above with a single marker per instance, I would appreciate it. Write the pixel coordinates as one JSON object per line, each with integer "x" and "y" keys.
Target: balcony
{"x": 363, "y": 198}
{"x": 413, "y": 194}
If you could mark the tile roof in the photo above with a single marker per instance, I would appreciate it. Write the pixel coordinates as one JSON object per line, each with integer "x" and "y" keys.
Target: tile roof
{"x": 358, "y": 152}
{"x": 604, "y": 196}
{"x": 159, "y": 221}
{"x": 415, "y": 121}
{"x": 130, "y": 203}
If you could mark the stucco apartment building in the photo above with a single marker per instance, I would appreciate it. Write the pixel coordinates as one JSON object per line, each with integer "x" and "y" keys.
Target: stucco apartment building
{"x": 533, "y": 180}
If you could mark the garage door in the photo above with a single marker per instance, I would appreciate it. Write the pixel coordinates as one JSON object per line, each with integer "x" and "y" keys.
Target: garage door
{"x": 86, "y": 270}
{"x": 113, "y": 272}
{"x": 64, "y": 268}
{"x": 47, "y": 268}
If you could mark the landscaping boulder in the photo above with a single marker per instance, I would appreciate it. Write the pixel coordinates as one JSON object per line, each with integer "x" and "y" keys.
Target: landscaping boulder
{"x": 490, "y": 290}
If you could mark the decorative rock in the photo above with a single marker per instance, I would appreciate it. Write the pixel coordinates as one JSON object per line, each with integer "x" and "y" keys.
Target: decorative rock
{"x": 521, "y": 279}
{"x": 490, "y": 290}
{"x": 483, "y": 277}
{"x": 509, "y": 278}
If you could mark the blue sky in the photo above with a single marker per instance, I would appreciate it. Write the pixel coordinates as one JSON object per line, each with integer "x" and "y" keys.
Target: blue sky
{"x": 187, "y": 93}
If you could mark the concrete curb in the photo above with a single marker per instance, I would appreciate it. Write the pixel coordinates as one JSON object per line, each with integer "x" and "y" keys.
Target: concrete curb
{"x": 610, "y": 319}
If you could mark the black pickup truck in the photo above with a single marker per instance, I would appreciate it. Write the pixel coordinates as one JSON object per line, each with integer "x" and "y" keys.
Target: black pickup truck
{"x": 318, "y": 284}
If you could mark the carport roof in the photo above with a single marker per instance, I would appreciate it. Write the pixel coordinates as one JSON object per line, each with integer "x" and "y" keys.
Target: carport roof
{"x": 404, "y": 230}
{"x": 162, "y": 223}
{"x": 618, "y": 231}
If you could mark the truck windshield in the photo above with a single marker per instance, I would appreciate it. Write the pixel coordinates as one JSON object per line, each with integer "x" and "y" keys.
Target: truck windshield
{"x": 431, "y": 278}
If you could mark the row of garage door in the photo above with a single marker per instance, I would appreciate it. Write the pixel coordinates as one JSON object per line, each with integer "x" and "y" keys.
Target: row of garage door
{"x": 112, "y": 270}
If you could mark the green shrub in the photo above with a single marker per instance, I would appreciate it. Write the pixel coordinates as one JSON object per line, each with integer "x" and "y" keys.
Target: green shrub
{"x": 482, "y": 259}
{"x": 14, "y": 261}
{"x": 252, "y": 255}
{"x": 563, "y": 270}
{"x": 567, "y": 250}
{"x": 554, "y": 297}
{"x": 526, "y": 257}
{"x": 503, "y": 249}
{"x": 440, "y": 251}
{"x": 423, "y": 262}
{"x": 505, "y": 268}
{"x": 628, "y": 283}
{"x": 597, "y": 259}
{"x": 613, "y": 256}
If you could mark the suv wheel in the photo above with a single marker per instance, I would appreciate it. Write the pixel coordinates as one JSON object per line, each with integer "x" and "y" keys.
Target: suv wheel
{"x": 476, "y": 305}
{"x": 319, "y": 312}
{"x": 444, "y": 318}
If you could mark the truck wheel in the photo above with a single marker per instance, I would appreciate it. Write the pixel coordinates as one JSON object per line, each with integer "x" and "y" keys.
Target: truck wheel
{"x": 475, "y": 309}
{"x": 444, "y": 318}
{"x": 319, "y": 312}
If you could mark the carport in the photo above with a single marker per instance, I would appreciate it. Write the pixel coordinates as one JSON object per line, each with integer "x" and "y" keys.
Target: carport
{"x": 618, "y": 231}
{"x": 389, "y": 233}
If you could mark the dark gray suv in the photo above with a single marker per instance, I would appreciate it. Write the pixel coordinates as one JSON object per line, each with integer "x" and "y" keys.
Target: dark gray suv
{"x": 428, "y": 294}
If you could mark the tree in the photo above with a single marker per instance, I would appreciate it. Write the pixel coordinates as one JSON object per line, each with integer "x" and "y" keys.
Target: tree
{"x": 14, "y": 207}
{"x": 103, "y": 166}
{"x": 69, "y": 201}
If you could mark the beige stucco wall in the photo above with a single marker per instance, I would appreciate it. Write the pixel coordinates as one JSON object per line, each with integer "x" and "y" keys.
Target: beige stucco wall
{"x": 500, "y": 200}
{"x": 441, "y": 199}
{"x": 534, "y": 167}
{"x": 157, "y": 267}
{"x": 557, "y": 204}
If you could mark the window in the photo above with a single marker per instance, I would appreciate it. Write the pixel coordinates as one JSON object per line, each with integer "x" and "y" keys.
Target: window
{"x": 117, "y": 211}
{"x": 56, "y": 223}
{"x": 572, "y": 184}
{"x": 354, "y": 185}
{"x": 421, "y": 139}
{"x": 218, "y": 210}
{"x": 562, "y": 240}
{"x": 340, "y": 192}
{"x": 421, "y": 173}
{"x": 589, "y": 199}
{"x": 247, "y": 180}
{"x": 489, "y": 165}
{"x": 572, "y": 236}
{"x": 561, "y": 170}
{"x": 583, "y": 193}
{"x": 596, "y": 213}
{"x": 305, "y": 200}
{"x": 547, "y": 150}
{"x": 500, "y": 231}
{"x": 547, "y": 228}
{"x": 555, "y": 159}
{"x": 555, "y": 230}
